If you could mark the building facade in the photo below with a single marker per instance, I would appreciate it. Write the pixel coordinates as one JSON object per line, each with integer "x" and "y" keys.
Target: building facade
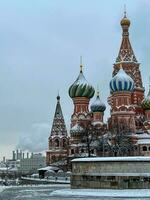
{"x": 129, "y": 110}
{"x": 32, "y": 164}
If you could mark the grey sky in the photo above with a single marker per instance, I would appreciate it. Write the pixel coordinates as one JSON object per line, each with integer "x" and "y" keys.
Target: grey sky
{"x": 40, "y": 45}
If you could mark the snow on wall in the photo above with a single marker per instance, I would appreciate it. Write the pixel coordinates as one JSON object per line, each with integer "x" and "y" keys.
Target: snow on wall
{"x": 107, "y": 159}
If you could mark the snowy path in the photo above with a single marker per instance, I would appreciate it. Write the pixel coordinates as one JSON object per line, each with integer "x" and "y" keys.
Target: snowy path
{"x": 2, "y": 188}
{"x": 130, "y": 193}
{"x": 57, "y": 192}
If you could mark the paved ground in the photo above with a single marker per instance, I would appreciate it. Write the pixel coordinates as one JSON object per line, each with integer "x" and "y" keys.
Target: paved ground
{"x": 44, "y": 193}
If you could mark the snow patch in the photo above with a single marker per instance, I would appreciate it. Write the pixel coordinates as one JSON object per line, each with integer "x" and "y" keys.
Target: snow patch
{"x": 102, "y": 193}
{"x": 101, "y": 159}
{"x": 2, "y": 188}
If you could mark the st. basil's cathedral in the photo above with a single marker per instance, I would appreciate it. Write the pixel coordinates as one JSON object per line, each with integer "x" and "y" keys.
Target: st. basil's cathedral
{"x": 129, "y": 120}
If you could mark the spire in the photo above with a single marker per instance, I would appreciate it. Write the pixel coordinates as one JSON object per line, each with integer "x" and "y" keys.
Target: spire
{"x": 81, "y": 66}
{"x": 97, "y": 93}
{"x": 125, "y": 11}
{"x": 126, "y": 53}
{"x": 58, "y": 126}
{"x": 58, "y": 96}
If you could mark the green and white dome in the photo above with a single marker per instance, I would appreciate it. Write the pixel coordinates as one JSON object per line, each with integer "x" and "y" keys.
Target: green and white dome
{"x": 81, "y": 88}
{"x": 146, "y": 102}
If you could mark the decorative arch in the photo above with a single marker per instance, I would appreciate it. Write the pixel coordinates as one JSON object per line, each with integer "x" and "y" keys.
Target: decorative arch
{"x": 64, "y": 142}
{"x": 56, "y": 142}
{"x": 144, "y": 148}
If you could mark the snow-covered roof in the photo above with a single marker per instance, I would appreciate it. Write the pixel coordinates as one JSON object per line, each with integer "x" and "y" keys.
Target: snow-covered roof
{"x": 144, "y": 135}
{"x": 107, "y": 159}
{"x": 97, "y": 123}
{"x": 144, "y": 141}
{"x": 48, "y": 168}
{"x": 13, "y": 169}
{"x": 3, "y": 168}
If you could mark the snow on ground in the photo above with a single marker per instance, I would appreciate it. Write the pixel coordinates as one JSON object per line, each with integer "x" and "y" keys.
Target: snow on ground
{"x": 2, "y": 188}
{"x": 102, "y": 193}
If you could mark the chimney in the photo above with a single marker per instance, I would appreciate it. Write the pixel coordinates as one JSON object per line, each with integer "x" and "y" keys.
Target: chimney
{"x": 17, "y": 154}
{"x": 32, "y": 155}
{"x": 4, "y": 159}
{"x": 14, "y": 155}
{"x": 20, "y": 154}
{"x": 27, "y": 154}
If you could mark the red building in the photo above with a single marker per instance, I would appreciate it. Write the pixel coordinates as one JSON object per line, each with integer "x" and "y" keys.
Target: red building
{"x": 130, "y": 111}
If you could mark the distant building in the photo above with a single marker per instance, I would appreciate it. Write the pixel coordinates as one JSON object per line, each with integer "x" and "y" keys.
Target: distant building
{"x": 30, "y": 165}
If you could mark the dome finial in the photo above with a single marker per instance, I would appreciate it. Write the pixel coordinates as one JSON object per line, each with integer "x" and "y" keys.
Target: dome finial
{"x": 125, "y": 12}
{"x": 58, "y": 96}
{"x": 97, "y": 93}
{"x": 125, "y": 22}
{"x": 81, "y": 66}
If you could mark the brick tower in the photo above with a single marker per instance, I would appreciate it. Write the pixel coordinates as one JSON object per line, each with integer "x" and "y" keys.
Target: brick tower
{"x": 58, "y": 140}
{"x": 81, "y": 92}
{"x": 127, "y": 59}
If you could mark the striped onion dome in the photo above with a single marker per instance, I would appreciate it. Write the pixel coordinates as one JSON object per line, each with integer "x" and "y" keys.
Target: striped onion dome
{"x": 98, "y": 105}
{"x": 81, "y": 88}
{"x": 146, "y": 102}
{"x": 77, "y": 128}
{"x": 121, "y": 82}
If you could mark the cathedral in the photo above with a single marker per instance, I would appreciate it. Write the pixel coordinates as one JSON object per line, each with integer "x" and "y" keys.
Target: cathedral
{"x": 127, "y": 132}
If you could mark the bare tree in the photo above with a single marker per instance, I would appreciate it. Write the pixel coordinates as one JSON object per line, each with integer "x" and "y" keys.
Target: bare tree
{"x": 122, "y": 141}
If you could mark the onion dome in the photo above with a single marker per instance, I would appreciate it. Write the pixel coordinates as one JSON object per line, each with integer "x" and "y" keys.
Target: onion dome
{"x": 146, "y": 102}
{"x": 81, "y": 88}
{"x": 77, "y": 128}
{"x": 121, "y": 82}
{"x": 98, "y": 105}
{"x": 125, "y": 21}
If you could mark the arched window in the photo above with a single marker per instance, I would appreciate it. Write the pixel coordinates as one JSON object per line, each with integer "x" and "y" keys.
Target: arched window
{"x": 144, "y": 148}
{"x": 82, "y": 150}
{"x": 72, "y": 151}
{"x": 56, "y": 143}
{"x": 64, "y": 143}
{"x": 50, "y": 143}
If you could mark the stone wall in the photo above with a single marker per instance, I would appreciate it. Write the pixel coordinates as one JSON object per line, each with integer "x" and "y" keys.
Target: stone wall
{"x": 106, "y": 173}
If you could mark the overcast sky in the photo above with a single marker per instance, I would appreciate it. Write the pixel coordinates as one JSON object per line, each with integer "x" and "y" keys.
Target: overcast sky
{"x": 40, "y": 46}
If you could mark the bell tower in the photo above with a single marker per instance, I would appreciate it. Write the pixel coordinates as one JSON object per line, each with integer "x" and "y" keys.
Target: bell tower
{"x": 131, "y": 66}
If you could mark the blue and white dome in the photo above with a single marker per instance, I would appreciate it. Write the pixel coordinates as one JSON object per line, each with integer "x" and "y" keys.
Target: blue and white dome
{"x": 98, "y": 105}
{"x": 121, "y": 82}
